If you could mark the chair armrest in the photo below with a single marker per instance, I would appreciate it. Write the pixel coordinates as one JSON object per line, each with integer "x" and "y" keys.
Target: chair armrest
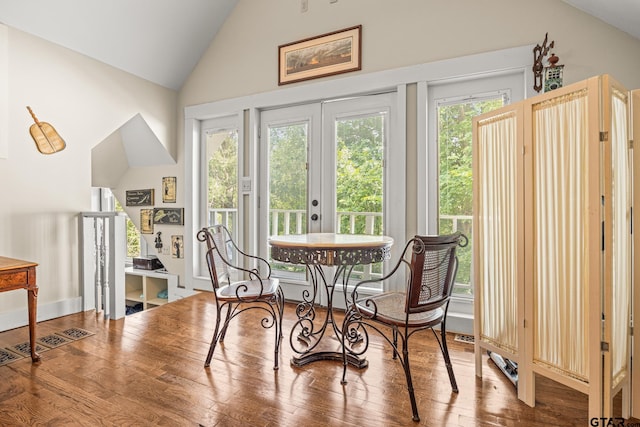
{"x": 254, "y": 273}
{"x": 401, "y": 260}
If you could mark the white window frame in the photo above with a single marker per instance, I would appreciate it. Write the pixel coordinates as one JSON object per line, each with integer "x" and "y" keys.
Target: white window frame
{"x": 196, "y": 191}
{"x": 506, "y": 60}
{"x": 460, "y": 313}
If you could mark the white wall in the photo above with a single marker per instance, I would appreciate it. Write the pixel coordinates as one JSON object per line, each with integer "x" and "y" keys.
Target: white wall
{"x": 40, "y": 196}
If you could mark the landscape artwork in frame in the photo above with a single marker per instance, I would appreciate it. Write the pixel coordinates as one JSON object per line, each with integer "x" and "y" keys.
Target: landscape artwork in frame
{"x": 324, "y": 55}
{"x": 146, "y": 221}
{"x": 139, "y": 197}
{"x": 169, "y": 216}
{"x": 169, "y": 189}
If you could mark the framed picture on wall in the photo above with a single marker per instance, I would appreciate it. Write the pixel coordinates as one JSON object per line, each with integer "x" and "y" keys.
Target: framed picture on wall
{"x": 324, "y": 55}
{"x": 177, "y": 246}
{"x": 146, "y": 221}
{"x": 169, "y": 189}
{"x": 168, "y": 216}
{"x": 139, "y": 197}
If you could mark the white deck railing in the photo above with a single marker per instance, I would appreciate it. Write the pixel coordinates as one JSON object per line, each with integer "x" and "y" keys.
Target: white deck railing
{"x": 294, "y": 221}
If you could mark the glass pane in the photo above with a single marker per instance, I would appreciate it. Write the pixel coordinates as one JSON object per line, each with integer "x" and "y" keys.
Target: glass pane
{"x": 133, "y": 235}
{"x": 288, "y": 183}
{"x": 222, "y": 177}
{"x": 359, "y": 180}
{"x": 455, "y": 180}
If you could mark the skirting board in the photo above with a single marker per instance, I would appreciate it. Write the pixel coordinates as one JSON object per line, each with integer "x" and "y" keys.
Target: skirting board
{"x": 460, "y": 323}
{"x": 17, "y": 319}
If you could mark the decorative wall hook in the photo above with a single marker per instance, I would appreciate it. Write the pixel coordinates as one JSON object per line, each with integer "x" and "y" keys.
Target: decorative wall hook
{"x": 539, "y": 52}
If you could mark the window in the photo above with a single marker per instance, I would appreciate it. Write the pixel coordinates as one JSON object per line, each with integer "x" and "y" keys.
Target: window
{"x": 411, "y": 192}
{"x": 136, "y": 245}
{"x": 222, "y": 178}
{"x": 133, "y": 235}
{"x": 451, "y": 108}
{"x": 219, "y": 166}
{"x": 455, "y": 189}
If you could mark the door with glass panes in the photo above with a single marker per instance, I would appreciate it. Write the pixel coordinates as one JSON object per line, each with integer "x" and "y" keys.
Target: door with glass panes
{"x": 220, "y": 160}
{"x": 323, "y": 170}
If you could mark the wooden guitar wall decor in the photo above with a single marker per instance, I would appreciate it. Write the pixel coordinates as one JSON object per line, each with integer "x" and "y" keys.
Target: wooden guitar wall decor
{"x": 45, "y": 136}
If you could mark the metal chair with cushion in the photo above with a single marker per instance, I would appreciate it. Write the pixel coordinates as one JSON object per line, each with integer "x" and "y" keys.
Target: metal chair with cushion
{"x": 421, "y": 305}
{"x": 255, "y": 291}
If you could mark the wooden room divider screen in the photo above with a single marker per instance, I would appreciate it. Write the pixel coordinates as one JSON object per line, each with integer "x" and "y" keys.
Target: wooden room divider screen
{"x": 552, "y": 240}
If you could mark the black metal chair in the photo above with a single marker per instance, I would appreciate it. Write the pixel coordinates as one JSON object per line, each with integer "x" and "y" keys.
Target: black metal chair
{"x": 422, "y": 305}
{"x": 255, "y": 291}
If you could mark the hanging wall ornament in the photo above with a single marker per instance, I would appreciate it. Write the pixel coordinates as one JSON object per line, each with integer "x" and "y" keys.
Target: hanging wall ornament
{"x": 553, "y": 74}
{"x": 45, "y": 136}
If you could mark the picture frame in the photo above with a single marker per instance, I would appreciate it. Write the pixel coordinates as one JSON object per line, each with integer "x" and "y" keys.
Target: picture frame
{"x": 139, "y": 197}
{"x": 146, "y": 221}
{"x": 177, "y": 246}
{"x": 324, "y": 55}
{"x": 168, "y": 216}
{"x": 169, "y": 189}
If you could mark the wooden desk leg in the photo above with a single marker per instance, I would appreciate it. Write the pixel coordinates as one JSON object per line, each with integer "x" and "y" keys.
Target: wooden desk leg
{"x": 32, "y": 296}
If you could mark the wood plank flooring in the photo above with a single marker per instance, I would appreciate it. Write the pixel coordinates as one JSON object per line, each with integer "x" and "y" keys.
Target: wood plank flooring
{"x": 147, "y": 370}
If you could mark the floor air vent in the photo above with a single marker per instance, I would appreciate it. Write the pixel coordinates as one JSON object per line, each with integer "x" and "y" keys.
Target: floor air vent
{"x": 464, "y": 338}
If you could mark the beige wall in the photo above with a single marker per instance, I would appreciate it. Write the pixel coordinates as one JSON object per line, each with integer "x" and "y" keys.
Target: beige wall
{"x": 243, "y": 57}
{"x": 243, "y": 60}
{"x": 41, "y": 196}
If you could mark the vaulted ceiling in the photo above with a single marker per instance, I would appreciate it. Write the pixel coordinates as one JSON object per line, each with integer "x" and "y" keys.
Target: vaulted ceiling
{"x": 158, "y": 40}
{"x": 162, "y": 40}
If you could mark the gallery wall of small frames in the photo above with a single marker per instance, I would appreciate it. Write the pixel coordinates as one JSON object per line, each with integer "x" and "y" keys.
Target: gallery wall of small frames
{"x": 150, "y": 214}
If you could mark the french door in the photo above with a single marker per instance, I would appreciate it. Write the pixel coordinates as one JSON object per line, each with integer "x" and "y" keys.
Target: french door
{"x": 323, "y": 170}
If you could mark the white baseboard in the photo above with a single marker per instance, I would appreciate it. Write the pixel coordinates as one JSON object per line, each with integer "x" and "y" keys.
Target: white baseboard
{"x": 19, "y": 318}
{"x": 461, "y": 323}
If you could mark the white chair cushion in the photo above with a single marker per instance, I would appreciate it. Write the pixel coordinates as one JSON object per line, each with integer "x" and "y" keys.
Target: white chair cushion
{"x": 249, "y": 289}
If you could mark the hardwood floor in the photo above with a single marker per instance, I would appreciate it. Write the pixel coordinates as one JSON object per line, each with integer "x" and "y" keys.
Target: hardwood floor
{"x": 147, "y": 369}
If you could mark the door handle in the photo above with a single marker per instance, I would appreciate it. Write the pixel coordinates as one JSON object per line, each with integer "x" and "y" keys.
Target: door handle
{"x": 314, "y": 217}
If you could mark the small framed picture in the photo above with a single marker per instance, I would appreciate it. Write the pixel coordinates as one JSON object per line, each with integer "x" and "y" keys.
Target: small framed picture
{"x": 169, "y": 216}
{"x": 177, "y": 246}
{"x": 146, "y": 221}
{"x": 139, "y": 197}
{"x": 169, "y": 189}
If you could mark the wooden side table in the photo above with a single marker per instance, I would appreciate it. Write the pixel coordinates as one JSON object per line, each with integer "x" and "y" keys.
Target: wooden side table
{"x": 19, "y": 274}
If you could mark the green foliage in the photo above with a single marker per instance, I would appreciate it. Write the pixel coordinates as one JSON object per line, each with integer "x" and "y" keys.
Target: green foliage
{"x": 359, "y": 159}
{"x": 455, "y": 152}
{"x": 358, "y": 162}
{"x": 288, "y": 171}
{"x": 133, "y": 235}
{"x": 223, "y": 174}
{"x": 288, "y": 167}
{"x": 455, "y": 177}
